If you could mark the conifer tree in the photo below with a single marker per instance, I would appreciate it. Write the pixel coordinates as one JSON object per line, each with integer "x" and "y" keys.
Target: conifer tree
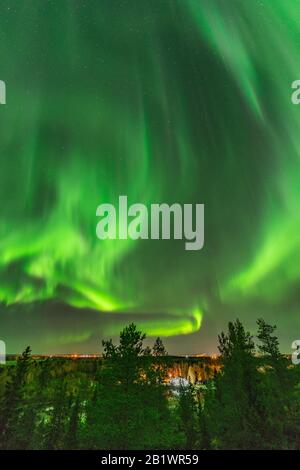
{"x": 158, "y": 348}
{"x": 130, "y": 406}
{"x": 188, "y": 416}
{"x": 234, "y": 407}
{"x": 14, "y": 402}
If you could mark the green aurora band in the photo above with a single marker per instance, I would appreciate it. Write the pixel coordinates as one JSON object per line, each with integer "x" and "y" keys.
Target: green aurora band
{"x": 164, "y": 101}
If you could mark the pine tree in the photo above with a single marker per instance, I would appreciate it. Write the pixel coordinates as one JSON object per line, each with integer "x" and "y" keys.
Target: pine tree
{"x": 71, "y": 438}
{"x": 269, "y": 347}
{"x": 56, "y": 427}
{"x": 204, "y": 438}
{"x": 277, "y": 388}
{"x": 129, "y": 408}
{"x": 188, "y": 416}
{"x": 14, "y": 403}
{"x": 233, "y": 407}
{"x": 158, "y": 348}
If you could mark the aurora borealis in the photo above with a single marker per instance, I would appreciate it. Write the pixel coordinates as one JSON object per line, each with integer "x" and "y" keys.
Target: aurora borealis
{"x": 165, "y": 101}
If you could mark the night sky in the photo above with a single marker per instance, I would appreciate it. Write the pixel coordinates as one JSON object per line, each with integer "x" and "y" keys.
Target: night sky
{"x": 164, "y": 101}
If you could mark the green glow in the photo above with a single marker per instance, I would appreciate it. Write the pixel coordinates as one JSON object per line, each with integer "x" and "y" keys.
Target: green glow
{"x": 180, "y": 324}
{"x": 163, "y": 101}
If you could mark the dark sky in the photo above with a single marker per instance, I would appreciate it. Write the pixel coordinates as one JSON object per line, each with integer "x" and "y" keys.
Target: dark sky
{"x": 184, "y": 101}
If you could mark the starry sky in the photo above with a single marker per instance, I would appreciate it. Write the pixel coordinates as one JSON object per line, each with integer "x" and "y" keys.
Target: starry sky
{"x": 164, "y": 101}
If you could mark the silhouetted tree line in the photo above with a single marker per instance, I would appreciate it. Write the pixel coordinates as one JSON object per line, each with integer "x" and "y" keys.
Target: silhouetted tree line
{"x": 123, "y": 402}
